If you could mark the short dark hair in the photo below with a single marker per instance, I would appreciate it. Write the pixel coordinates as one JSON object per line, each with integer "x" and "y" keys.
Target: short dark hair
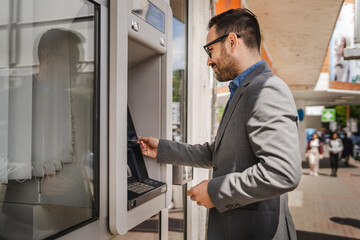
{"x": 240, "y": 21}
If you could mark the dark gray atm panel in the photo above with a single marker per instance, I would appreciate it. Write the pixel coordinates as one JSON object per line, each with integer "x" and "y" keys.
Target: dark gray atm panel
{"x": 141, "y": 188}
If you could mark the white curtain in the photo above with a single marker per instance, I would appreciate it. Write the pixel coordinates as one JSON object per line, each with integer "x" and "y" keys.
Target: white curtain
{"x": 19, "y": 133}
{"x": 52, "y": 127}
{"x": 4, "y": 119}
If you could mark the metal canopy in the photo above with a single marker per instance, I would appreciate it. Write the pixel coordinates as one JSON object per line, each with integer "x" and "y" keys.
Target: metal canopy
{"x": 297, "y": 34}
{"x": 332, "y": 97}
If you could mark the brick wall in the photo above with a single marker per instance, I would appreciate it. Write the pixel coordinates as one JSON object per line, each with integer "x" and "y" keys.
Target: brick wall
{"x": 344, "y": 86}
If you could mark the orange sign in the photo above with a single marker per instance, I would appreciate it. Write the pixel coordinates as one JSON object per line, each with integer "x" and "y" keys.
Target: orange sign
{"x": 224, "y": 5}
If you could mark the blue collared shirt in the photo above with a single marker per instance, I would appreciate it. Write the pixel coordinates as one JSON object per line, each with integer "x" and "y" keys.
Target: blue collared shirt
{"x": 234, "y": 84}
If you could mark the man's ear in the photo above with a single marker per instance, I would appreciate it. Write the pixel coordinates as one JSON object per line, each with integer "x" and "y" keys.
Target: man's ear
{"x": 233, "y": 42}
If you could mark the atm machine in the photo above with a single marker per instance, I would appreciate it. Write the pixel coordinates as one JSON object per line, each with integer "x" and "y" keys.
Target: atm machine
{"x": 139, "y": 95}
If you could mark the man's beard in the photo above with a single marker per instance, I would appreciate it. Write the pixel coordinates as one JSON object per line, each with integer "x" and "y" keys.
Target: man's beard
{"x": 226, "y": 70}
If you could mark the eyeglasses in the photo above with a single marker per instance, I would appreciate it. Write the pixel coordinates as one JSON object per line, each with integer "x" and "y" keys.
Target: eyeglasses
{"x": 206, "y": 47}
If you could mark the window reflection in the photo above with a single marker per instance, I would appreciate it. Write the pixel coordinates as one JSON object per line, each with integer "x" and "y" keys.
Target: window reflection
{"x": 179, "y": 69}
{"x": 177, "y": 214}
{"x": 46, "y": 117}
{"x": 148, "y": 230}
{"x": 177, "y": 210}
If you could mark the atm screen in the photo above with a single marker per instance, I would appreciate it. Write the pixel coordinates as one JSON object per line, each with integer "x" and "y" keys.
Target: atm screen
{"x": 135, "y": 158}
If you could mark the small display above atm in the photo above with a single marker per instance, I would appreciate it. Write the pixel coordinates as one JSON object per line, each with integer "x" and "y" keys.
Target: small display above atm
{"x": 149, "y": 13}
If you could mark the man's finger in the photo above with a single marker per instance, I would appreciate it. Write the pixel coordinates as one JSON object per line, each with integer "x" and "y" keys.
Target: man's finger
{"x": 142, "y": 145}
{"x": 144, "y": 139}
{"x": 190, "y": 192}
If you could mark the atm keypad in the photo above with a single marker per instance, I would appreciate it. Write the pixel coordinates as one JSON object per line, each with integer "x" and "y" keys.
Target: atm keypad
{"x": 139, "y": 187}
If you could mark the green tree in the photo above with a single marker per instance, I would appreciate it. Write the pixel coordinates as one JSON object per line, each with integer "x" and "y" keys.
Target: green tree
{"x": 355, "y": 113}
{"x": 341, "y": 115}
{"x": 176, "y": 86}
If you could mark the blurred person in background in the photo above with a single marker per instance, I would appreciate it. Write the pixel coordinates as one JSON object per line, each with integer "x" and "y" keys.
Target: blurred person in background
{"x": 314, "y": 151}
{"x": 335, "y": 147}
{"x": 342, "y": 68}
{"x": 321, "y": 134}
{"x": 348, "y": 149}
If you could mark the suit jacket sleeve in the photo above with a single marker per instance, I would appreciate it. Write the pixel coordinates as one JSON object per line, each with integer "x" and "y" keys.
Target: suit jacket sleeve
{"x": 271, "y": 125}
{"x": 185, "y": 154}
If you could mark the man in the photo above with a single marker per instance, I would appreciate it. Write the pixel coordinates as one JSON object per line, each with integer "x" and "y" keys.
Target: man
{"x": 255, "y": 156}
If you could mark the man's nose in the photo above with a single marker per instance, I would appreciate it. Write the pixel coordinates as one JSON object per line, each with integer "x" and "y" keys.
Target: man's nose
{"x": 209, "y": 61}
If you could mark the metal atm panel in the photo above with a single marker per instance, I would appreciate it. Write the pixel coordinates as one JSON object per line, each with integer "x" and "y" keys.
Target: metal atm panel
{"x": 182, "y": 174}
{"x": 140, "y": 78}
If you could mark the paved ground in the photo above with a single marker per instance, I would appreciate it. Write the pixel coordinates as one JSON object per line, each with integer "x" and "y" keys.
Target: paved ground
{"x": 327, "y": 207}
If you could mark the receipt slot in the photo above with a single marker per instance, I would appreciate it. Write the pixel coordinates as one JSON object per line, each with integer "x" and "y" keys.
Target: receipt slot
{"x": 140, "y": 105}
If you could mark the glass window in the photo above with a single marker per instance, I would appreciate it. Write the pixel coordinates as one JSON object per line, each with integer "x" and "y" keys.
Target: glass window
{"x": 149, "y": 230}
{"x": 177, "y": 212}
{"x": 47, "y": 89}
{"x": 179, "y": 69}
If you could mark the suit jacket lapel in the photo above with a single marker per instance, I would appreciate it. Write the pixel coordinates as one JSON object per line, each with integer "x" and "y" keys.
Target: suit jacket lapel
{"x": 234, "y": 101}
{"x": 227, "y": 114}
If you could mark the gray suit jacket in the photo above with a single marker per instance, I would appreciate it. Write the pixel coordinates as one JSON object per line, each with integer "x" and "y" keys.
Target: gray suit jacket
{"x": 255, "y": 159}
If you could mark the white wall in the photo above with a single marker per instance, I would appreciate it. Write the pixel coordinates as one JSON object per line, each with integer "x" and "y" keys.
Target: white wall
{"x": 199, "y": 104}
{"x": 313, "y": 122}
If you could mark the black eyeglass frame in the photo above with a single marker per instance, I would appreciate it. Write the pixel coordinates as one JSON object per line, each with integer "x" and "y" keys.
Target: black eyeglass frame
{"x": 215, "y": 41}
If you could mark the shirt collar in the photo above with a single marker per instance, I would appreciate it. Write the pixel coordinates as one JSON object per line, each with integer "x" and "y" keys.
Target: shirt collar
{"x": 237, "y": 81}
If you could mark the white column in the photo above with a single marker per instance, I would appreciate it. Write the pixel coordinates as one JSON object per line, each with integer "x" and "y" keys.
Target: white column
{"x": 199, "y": 105}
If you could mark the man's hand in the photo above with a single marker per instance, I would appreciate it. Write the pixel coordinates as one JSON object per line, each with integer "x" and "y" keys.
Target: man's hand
{"x": 200, "y": 194}
{"x": 149, "y": 146}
